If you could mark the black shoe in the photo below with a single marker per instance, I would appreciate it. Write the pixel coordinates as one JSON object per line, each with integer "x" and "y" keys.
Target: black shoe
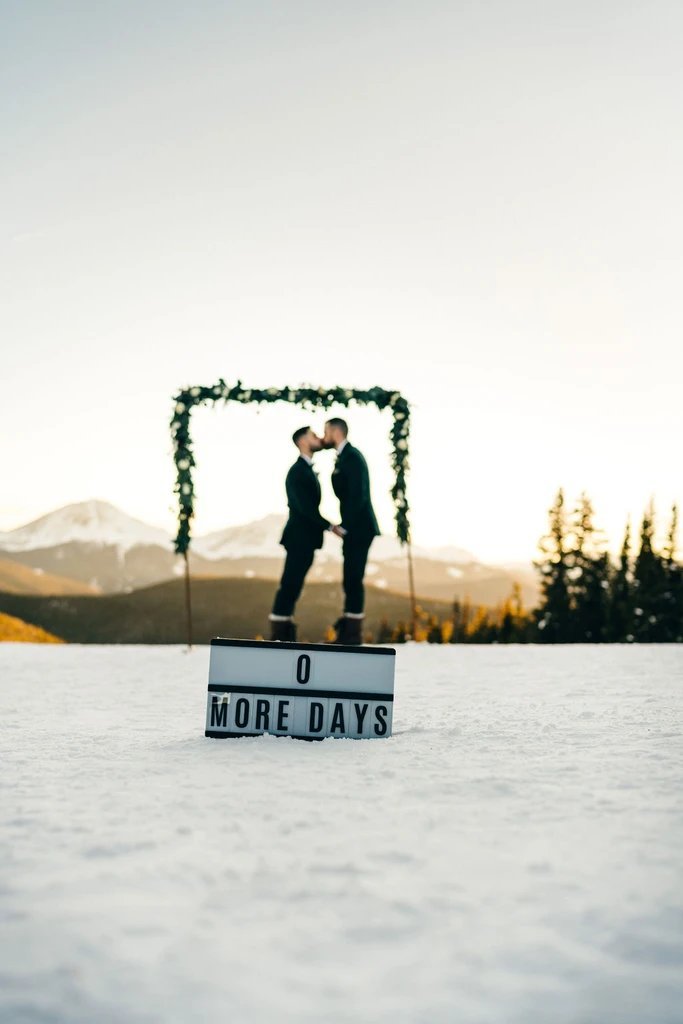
{"x": 340, "y": 630}
{"x": 353, "y": 632}
{"x": 283, "y": 631}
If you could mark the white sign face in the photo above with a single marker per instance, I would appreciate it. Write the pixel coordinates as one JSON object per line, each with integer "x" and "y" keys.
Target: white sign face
{"x": 307, "y": 691}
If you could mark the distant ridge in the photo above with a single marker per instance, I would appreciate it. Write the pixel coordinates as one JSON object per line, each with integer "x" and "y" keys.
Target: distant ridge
{"x": 220, "y": 607}
{"x": 100, "y": 546}
{"x": 16, "y": 578}
{"x": 14, "y": 630}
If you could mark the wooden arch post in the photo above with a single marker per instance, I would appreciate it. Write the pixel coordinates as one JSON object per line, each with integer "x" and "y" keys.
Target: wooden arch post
{"x": 188, "y": 600}
{"x": 411, "y": 584}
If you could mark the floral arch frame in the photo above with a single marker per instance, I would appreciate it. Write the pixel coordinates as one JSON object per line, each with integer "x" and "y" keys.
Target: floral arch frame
{"x": 308, "y": 397}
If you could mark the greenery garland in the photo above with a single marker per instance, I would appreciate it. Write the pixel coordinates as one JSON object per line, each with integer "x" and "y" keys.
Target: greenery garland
{"x": 309, "y": 398}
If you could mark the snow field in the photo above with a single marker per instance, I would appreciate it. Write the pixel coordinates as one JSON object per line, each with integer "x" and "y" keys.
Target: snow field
{"x": 512, "y": 854}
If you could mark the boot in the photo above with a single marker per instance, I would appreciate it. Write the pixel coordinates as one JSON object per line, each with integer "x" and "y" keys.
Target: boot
{"x": 283, "y": 630}
{"x": 349, "y": 631}
{"x": 340, "y": 630}
{"x": 353, "y": 632}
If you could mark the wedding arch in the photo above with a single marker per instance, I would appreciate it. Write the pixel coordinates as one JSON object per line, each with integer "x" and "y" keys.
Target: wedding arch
{"x": 309, "y": 398}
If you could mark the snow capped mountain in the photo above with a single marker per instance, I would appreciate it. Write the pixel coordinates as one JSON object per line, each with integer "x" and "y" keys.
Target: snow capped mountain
{"x": 452, "y": 555}
{"x": 260, "y": 539}
{"x": 88, "y": 522}
{"x": 386, "y": 548}
{"x": 102, "y": 524}
{"x": 96, "y": 543}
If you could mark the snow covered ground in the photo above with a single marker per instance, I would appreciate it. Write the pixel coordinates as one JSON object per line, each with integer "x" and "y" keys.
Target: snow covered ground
{"x": 513, "y": 854}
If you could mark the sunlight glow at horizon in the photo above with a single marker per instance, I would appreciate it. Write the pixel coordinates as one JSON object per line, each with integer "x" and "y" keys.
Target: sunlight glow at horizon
{"x": 477, "y": 206}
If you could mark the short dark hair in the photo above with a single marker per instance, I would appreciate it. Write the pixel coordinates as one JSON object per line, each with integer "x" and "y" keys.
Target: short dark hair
{"x": 340, "y": 424}
{"x": 298, "y": 434}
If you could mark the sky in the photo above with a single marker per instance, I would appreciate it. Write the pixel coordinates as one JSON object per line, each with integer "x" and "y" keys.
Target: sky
{"x": 477, "y": 204}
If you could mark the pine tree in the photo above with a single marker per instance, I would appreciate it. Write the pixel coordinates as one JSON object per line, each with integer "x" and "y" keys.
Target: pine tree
{"x": 669, "y": 551}
{"x": 384, "y": 632}
{"x": 649, "y": 583}
{"x": 553, "y": 615}
{"x": 462, "y": 614}
{"x": 506, "y": 630}
{"x": 514, "y": 621}
{"x": 466, "y": 619}
{"x": 620, "y": 627}
{"x": 434, "y": 635}
{"x": 456, "y": 620}
{"x": 481, "y": 629}
{"x": 401, "y": 633}
{"x": 672, "y": 597}
{"x": 588, "y": 576}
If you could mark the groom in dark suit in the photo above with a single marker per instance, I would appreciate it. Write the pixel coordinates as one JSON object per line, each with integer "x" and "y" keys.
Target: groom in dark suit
{"x": 303, "y": 533}
{"x": 351, "y": 484}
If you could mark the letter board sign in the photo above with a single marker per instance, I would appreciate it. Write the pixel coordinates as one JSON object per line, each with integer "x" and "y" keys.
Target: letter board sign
{"x": 306, "y": 691}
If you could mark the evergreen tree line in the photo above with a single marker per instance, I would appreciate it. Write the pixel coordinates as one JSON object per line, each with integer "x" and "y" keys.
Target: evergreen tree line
{"x": 586, "y": 597}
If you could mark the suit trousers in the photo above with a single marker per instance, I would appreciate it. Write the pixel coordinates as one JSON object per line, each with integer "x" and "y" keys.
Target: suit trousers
{"x": 355, "y": 560}
{"x": 297, "y": 563}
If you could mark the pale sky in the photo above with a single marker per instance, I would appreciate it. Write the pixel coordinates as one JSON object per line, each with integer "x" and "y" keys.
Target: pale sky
{"x": 479, "y": 204}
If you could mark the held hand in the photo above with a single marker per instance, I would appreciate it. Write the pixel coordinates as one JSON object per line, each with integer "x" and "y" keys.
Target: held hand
{"x": 338, "y": 531}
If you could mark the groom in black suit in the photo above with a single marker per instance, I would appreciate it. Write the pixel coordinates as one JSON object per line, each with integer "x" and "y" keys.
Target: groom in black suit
{"x": 303, "y": 533}
{"x": 351, "y": 484}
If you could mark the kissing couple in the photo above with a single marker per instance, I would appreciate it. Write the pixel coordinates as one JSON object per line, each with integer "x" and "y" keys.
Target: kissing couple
{"x": 305, "y": 528}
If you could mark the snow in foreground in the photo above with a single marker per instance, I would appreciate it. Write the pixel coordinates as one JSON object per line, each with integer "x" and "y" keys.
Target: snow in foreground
{"x": 512, "y": 854}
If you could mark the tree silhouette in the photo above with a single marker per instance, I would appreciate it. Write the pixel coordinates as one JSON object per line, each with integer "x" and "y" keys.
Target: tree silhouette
{"x": 620, "y": 624}
{"x": 554, "y": 612}
{"x": 588, "y": 574}
{"x": 672, "y": 597}
{"x": 649, "y": 584}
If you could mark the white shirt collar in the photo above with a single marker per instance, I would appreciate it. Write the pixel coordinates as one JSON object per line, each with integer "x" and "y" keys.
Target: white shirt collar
{"x": 342, "y": 445}
{"x": 307, "y": 459}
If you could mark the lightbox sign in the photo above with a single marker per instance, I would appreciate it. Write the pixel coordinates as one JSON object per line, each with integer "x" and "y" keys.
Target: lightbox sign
{"x": 306, "y": 691}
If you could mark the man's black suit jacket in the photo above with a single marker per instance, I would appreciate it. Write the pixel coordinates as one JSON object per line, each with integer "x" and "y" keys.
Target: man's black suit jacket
{"x": 351, "y": 484}
{"x": 305, "y": 526}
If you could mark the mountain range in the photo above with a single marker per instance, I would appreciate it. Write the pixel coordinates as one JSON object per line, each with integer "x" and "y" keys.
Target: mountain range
{"x": 95, "y": 547}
